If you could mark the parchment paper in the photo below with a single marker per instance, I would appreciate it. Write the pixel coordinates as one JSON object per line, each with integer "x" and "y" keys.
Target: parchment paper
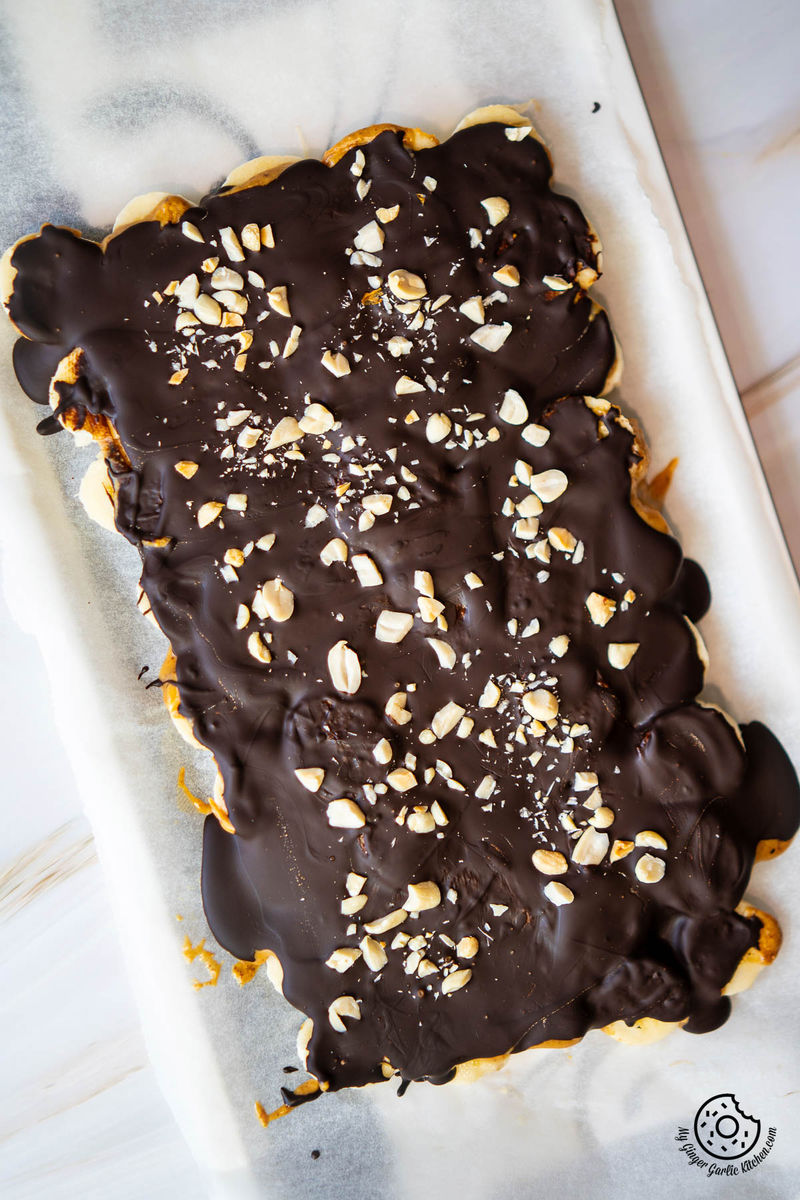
{"x": 103, "y": 100}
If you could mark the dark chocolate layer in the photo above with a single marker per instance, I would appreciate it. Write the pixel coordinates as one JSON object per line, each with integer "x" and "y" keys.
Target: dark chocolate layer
{"x": 556, "y": 624}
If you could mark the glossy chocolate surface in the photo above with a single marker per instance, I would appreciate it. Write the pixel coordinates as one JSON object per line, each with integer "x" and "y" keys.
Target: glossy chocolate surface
{"x": 502, "y": 782}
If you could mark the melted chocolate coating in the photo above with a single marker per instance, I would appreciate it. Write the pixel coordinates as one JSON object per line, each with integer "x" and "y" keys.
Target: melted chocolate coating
{"x": 623, "y": 948}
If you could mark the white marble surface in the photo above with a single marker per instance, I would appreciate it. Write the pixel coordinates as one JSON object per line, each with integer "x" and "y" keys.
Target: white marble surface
{"x": 81, "y": 1114}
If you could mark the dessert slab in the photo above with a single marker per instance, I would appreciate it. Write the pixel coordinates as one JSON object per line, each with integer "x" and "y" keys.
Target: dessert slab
{"x": 601, "y": 1115}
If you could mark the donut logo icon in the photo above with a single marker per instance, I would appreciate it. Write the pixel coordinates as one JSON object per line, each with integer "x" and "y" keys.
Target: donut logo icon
{"x": 723, "y": 1130}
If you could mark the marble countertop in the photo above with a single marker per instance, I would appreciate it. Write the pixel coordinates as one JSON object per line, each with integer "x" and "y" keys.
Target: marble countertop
{"x": 81, "y": 1113}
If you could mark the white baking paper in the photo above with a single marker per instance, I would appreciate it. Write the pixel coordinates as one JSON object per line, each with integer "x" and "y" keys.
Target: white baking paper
{"x": 107, "y": 99}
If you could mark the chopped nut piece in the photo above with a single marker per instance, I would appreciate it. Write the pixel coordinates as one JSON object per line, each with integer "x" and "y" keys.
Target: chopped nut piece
{"x": 234, "y": 557}
{"x": 225, "y": 278}
{"x": 242, "y": 616}
{"x": 316, "y": 419}
{"x": 422, "y": 896}
{"x": 513, "y": 410}
{"x": 342, "y": 959}
{"x": 402, "y": 780}
{"x": 601, "y": 608}
{"x": 398, "y": 346}
{"x": 390, "y": 921}
{"x": 231, "y": 244}
{"x": 486, "y": 787}
{"x": 237, "y": 502}
{"x": 345, "y": 814}
{"x": 251, "y": 237}
{"x": 185, "y": 320}
{"x": 208, "y": 512}
{"x": 343, "y": 1006}
{"x": 527, "y": 528}
{"x": 621, "y": 653}
{"x": 602, "y": 817}
{"x": 336, "y": 363}
{"x": 368, "y": 574}
{"x": 649, "y": 837}
{"x": 287, "y": 430}
{"x": 310, "y": 777}
{"x": 178, "y": 376}
{"x": 585, "y": 781}
{"x": 549, "y": 485}
{"x": 187, "y": 291}
{"x": 412, "y": 962}
{"x": 378, "y": 503}
{"x": 561, "y": 539}
{"x": 444, "y": 652}
{"x": 594, "y": 800}
{"x": 191, "y": 231}
{"x": 423, "y": 582}
{"x": 396, "y": 710}
{"x": 438, "y": 814}
{"x": 508, "y": 276}
{"x": 446, "y": 719}
{"x": 352, "y": 905}
{"x": 315, "y": 516}
{"x": 497, "y": 209}
{"x": 518, "y": 133}
{"x": 393, "y": 626}
{"x": 334, "y": 551}
{"x": 421, "y": 822}
{"x": 278, "y": 300}
{"x": 266, "y": 542}
{"x": 385, "y": 215}
{"x": 473, "y": 581}
{"x": 467, "y": 947}
{"x": 344, "y": 668}
{"x": 382, "y": 752}
{"x": 473, "y": 308}
{"x": 249, "y": 437}
{"x": 550, "y": 862}
{"x": 559, "y": 645}
{"x": 370, "y": 238}
{"x": 535, "y": 435}
{"x": 292, "y": 342}
{"x": 590, "y": 848}
{"x": 258, "y": 648}
{"x": 274, "y": 600}
{"x": 558, "y": 893}
{"x": 429, "y": 609}
{"x": 406, "y": 285}
{"x": 620, "y": 849}
{"x": 541, "y": 704}
{"x": 426, "y": 967}
{"x": 490, "y": 696}
{"x": 650, "y": 869}
{"x": 556, "y": 283}
{"x": 186, "y": 469}
{"x": 438, "y": 427}
{"x": 406, "y": 386}
{"x": 207, "y": 309}
{"x": 374, "y": 954}
{"x": 354, "y": 883}
{"x": 456, "y": 980}
{"x": 529, "y": 506}
{"x": 492, "y": 337}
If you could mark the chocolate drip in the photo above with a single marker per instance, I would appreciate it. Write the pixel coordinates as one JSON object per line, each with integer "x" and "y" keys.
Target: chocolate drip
{"x": 197, "y": 414}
